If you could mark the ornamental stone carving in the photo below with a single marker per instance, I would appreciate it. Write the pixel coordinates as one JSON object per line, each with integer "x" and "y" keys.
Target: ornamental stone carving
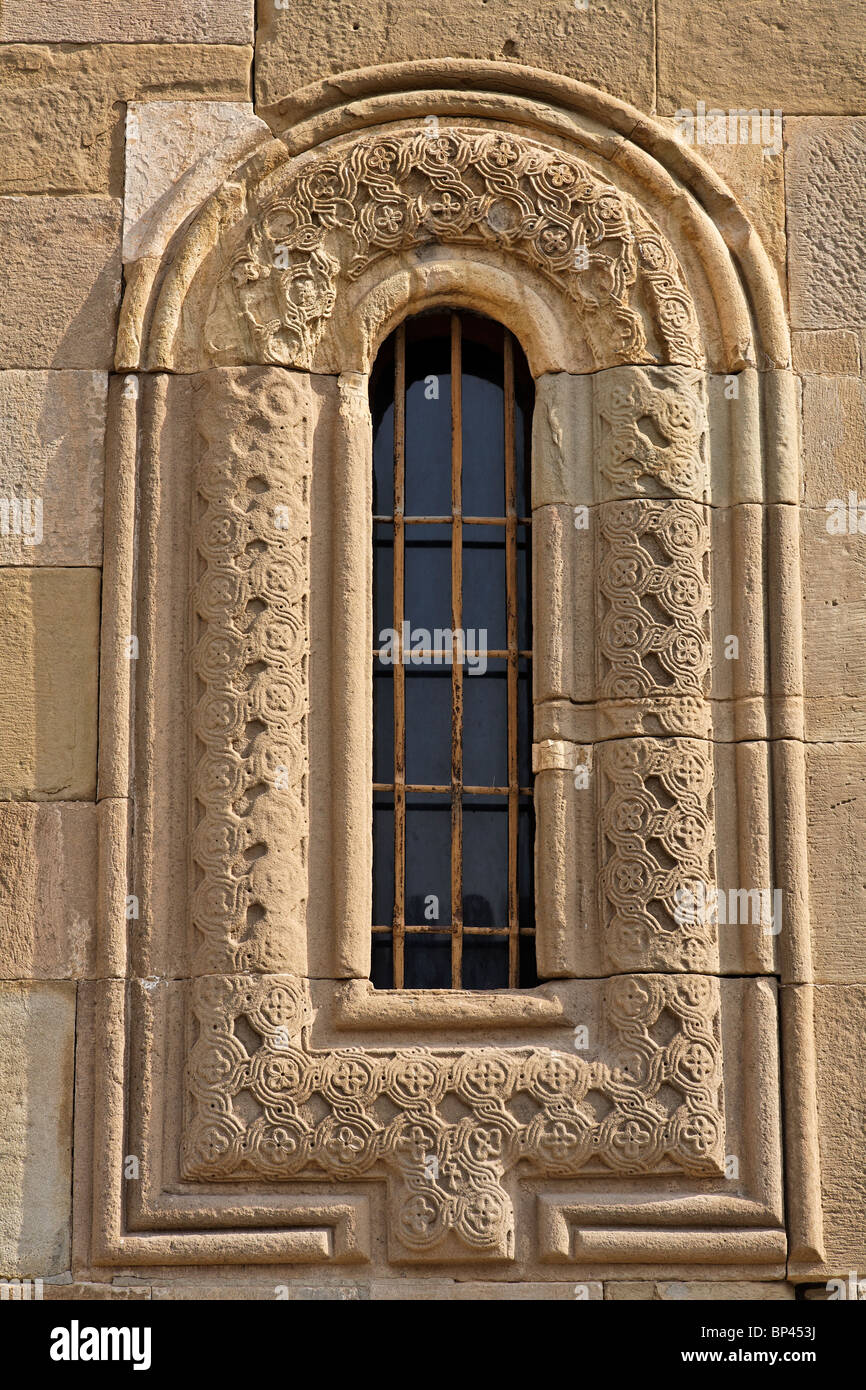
{"x": 654, "y": 648}
{"x": 281, "y": 1105}
{"x": 352, "y": 1113}
{"x": 249, "y": 673}
{"x": 334, "y": 215}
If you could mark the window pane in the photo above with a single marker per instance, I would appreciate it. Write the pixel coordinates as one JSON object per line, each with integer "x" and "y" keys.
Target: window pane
{"x": 428, "y": 417}
{"x": 428, "y": 579}
{"x": 485, "y": 727}
{"x": 382, "y": 961}
{"x": 484, "y": 587}
{"x": 485, "y": 962}
{"x": 383, "y": 858}
{"x": 382, "y": 410}
{"x": 383, "y": 723}
{"x": 428, "y": 859}
{"x": 483, "y": 430}
{"x": 428, "y": 961}
{"x": 485, "y": 861}
{"x": 383, "y": 579}
{"x": 428, "y": 725}
{"x": 524, "y": 589}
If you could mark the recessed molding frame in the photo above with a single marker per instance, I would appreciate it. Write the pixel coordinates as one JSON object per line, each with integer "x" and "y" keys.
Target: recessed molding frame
{"x": 241, "y": 1054}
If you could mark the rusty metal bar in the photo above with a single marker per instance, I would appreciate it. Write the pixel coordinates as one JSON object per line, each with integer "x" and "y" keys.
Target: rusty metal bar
{"x": 436, "y": 930}
{"x": 445, "y": 788}
{"x": 456, "y": 667}
{"x": 430, "y": 654}
{"x": 399, "y": 920}
{"x": 511, "y": 643}
{"x": 447, "y": 520}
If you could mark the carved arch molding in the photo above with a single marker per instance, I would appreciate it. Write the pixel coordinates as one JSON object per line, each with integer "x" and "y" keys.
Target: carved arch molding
{"x": 628, "y": 1110}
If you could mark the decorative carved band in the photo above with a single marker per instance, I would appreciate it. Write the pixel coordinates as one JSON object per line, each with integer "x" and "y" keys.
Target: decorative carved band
{"x": 656, "y": 836}
{"x": 354, "y": 1113}
{"x": 633, "y": 405}
{"x": 382, "y": 194}
{"x": 250, "y": 654}
{"x": 654, "y": 602}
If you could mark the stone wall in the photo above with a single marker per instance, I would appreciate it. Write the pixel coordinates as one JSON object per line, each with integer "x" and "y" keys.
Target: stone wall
{"x": 117, "y": 122}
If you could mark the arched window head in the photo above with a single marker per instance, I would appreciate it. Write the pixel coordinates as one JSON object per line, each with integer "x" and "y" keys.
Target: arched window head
{"x": 451, "y": 400}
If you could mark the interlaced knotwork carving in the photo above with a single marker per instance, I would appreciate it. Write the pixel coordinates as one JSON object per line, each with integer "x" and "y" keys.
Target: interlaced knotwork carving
{"x": 382, "y": 194}
{"x": 656, "y": 837}
{"x": 654, "y": 601}
{"x": 249, "y": 662}
{"x": 654, "y": 433}
{"x": 352, "y": 1113}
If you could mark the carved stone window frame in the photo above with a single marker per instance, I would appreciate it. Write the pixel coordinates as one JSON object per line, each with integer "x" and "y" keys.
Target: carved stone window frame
{"x": 241, "y": 395}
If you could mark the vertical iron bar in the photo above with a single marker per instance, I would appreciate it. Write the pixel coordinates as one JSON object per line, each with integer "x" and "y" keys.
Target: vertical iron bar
{"x": 512, "y": 647}
{"x": 399, "y": 919}
{"x": 456, "y": 665}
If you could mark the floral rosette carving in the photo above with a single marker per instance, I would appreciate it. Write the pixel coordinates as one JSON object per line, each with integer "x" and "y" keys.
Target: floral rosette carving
{"x": 351, "y": 1114}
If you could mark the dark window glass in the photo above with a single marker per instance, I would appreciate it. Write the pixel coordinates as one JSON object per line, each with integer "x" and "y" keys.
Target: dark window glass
{"x": 451, "y": 398}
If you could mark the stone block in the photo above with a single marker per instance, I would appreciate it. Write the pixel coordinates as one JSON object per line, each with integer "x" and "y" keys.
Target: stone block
{"x": 91, "y": 1293}
{"x": 834, "y": 439}
{"x": 839, "y": 1013}
{"x": 733, "y": 1291}
{"x": 60, "y": 281}
{"x": 37, "y": 1028}
{"x": 806, "y": 57}
{"x": 825, "y": 173}
{"x": 447, "y": 1290}
{"x": 62, "y": 109}
{"x": 126, "y": 21}
{"x": 836, "y": 775}
{"x": 177, "y": 154}
{"x": 834, "y": 627}
{"x": 47, "y": 890}
{"x": 49, "y": 645}
{"x": 609, "y": 45}
{"x": 52, "y": 435}
{"x": 277, "y": 1290}
{"x": 825, "y": 351}
{"x": 720, "y": 1291}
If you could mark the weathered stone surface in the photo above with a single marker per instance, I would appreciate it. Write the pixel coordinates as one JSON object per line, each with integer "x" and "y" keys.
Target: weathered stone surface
{"x": 629, "y": 1290}
{"x": 126, "y": 21}
{"x": 61, "y": 109}
{"x": 165, "y": 141}
{"x": 442, "y": 1290}
{"x": 279, "y": 1291}
{"x": 37, "y": 1028}
{"x": 88, "y": 1293}
{"x": 52, "y": 434}
{"x": 608, "y": 45}
{"x": 49, "y": 642}
{"x": 47, "y": 890}
{"x": 805, "y": 57}
{"x": 837, "y": 831}
{"x": 826, "y": 196}
{"x": 733, "y": 1291}
{"x": 834, "y": 438}
{"x": 825, "y": 351}
{"x": 834, "y": 620}
{"x": 839, "y": 1013}
{"x": 721, "y": 1291}
{"x": 62, "y": 257}
{"x": 757, "y": 180}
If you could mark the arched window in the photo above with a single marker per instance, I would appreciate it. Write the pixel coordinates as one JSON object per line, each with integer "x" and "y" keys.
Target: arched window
{"x": 451, "y": 400}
